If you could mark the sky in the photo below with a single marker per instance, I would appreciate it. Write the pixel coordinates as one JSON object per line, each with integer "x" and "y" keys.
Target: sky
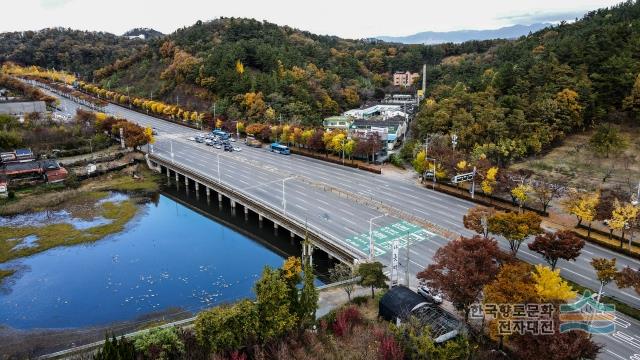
{"x": 344, "y": 18}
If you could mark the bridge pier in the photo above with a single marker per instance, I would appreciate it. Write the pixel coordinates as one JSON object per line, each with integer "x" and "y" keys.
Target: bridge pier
{"x": 246, "y": 213}
{"x": 260, "y": 221}
{"x": 197, "y": 190}
{"x": 307, "y": 251}
{"x": 177, "y": 180}
{"x": 233, "y": 203}
{"x": 186, "y": 184}
{"x": 219, "y": 198}
{"x": 208, "y": 191}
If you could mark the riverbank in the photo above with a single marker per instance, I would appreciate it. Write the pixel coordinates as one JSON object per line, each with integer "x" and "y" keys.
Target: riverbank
{"x": 91, "y": 203}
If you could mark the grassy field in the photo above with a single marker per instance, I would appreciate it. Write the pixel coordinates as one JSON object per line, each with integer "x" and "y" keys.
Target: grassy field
{"x": 574, "y": 162}
{"x": 64, "y": 234}
{"x": 80, "y": 203}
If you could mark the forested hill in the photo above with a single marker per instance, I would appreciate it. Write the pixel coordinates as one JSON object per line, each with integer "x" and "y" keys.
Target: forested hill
{"x": 247, "y": 66}
{"x": 530, "y": 93}
{"x": 65, "y": 49}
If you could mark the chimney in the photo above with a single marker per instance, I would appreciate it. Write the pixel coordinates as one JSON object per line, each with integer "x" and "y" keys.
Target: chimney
{"x": 424, "y": 79}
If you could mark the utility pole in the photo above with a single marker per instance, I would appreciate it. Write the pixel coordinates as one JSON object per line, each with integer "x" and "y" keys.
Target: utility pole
{"x": 406, "y": 268}
{"x": 473, "y": 183}
{"x": 372, "y": 252}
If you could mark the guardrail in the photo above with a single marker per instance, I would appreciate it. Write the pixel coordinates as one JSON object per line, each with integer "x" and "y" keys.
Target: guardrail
{"x": 321, "y": 239}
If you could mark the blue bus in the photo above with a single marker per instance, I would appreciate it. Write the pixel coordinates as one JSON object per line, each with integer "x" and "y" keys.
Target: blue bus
{"x": 222, "y": 134}
{"x": 281, "y": 149}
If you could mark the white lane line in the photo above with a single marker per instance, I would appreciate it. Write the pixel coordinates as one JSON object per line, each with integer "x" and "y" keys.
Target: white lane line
{"x": 350, "y": 222}
{"x": 614, "y": 354}
{"x": 303, "y": 208}
{"x": 350, "y": 230}
{"x": 575, "y": 273}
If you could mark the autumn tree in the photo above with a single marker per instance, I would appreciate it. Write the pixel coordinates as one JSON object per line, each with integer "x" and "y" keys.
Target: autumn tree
{"x": 513, "y": 285}
{"x": 568, "y": 345}
{"x": 550, "y": 286}
{"x": 622, "y": 217}
{"x": 462, "y": 268}
{"x": 562, "y": 244}
{"x": 583, "y": 206}
{"x": 546, "y": 191}
{"x": 628, "y": 278}
{"x": 605, "y": 271}
{"x": 521, "y": 194}
{"x": 371, "y": 274}
{"x": 477, "y": 219}
{"x": 227, "y": 327}
{"x": 515, "y": 227}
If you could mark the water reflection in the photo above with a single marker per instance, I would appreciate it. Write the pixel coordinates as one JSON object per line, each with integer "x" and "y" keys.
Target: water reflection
{"x": 169, "y": 256}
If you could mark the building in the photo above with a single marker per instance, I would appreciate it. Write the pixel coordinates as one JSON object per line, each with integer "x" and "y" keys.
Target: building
{"x": 391, "y": 130}
{"x": 405, "y": 78}
{"x": 337, "y": 122}
{"x": 19, "y": 155}
{"x": 400, "y": 303}
{"x": 32, "y": 172}
{"x": 374, "y": 110}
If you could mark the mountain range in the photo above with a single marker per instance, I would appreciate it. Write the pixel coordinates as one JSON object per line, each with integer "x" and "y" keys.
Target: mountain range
{"x": 460, "y": 36}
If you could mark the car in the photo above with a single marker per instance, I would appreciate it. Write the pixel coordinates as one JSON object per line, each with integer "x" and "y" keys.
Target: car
{"x": 236, "y": 148}
{"x": 218, "y": 146}
{"x": 154, "y": 131}
{"x": 233, "y": 140}
{"x": 199, "y": 139}
{"x": 192, "y": 138}
{"x": 430, "y": 294}
{"x": 209, "y": 142}
{"x": 228, "y": 148}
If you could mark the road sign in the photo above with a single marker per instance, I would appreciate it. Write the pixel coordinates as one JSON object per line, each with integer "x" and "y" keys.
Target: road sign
{"x": 462, "y": 177}
{"x": 394, "y": 263}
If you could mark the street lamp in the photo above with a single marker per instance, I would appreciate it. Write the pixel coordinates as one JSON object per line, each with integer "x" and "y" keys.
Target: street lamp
{"x": 284, "y": 201}
{"x": 218, "y": 156}
{"x": 371, "y": 248}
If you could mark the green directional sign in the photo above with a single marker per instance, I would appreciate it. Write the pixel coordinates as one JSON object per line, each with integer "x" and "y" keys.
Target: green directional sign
{"x": 383, "y": 237}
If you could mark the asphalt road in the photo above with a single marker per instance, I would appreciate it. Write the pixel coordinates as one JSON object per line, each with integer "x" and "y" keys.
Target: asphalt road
{"x": 260, "y": 173}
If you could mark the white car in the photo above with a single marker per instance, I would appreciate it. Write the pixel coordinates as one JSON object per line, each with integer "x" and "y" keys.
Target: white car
{"x": 218, "y": 146}
{"x": 236, "y": 148}
{"x": 233, "y": 140}
{"x": 192, "y": 138}
{"x": 430, "y": 294}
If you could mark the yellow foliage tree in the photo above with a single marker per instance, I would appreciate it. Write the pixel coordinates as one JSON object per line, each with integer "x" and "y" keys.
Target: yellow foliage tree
{"x": 239, "y": 67}
{"x": 550, "y": 286}
{"x": 148, "y": 133}
{"x": 521, "y": 193}
{"x": 584, "y": 207}
{"x": 219, "y": 123}
{"x": 621, "y": 217}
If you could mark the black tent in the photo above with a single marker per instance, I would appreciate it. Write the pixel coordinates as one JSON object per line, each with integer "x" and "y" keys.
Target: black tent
{"x": 398, "y": 303}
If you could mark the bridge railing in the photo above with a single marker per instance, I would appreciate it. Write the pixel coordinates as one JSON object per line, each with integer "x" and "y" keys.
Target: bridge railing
{"x": 290, "y": 221}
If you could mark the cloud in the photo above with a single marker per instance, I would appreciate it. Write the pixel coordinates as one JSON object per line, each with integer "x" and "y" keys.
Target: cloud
{"x": 52, "y": 4}
{"x": 542, "y": 17}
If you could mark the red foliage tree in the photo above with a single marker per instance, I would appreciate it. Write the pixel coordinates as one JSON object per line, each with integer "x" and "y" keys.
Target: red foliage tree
{"x": 462, "y": 268}
{"x": 563, "y": 244}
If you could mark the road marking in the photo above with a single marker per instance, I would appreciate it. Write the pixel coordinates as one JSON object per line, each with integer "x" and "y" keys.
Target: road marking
{"x": 614, "y": 354}
{"x": 575, "y": 273}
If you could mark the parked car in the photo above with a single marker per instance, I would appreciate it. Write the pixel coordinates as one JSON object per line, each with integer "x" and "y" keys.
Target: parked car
{"x": 430, "y": 294}
{"x": 236, "y": 148}
{"x": 218, "y": 146}
{"x": 191, "y": 138}
{"x": 208, "y": 142}
{"x": 199, "y": 139}
{"x": 233, "y": 140}
{"x": 228, "y": 147}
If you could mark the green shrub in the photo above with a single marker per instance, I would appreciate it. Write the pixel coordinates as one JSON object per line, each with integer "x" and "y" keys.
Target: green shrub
{"x": 116, "y": 349}
{"x": 160, "y": 343}
{"x": 360, "y": 300}
{"x": 227, "y": 327}
{"x": 396, "y": 160}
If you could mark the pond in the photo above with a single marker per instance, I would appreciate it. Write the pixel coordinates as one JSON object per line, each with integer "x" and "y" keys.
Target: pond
{"x": 178, "y": 252}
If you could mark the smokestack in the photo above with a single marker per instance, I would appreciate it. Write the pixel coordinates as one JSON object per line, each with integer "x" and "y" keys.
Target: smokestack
{"x": 424, "y": 79}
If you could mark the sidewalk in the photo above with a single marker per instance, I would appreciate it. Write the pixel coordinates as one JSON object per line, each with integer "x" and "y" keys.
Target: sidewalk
{"x": 333, "y": 298}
